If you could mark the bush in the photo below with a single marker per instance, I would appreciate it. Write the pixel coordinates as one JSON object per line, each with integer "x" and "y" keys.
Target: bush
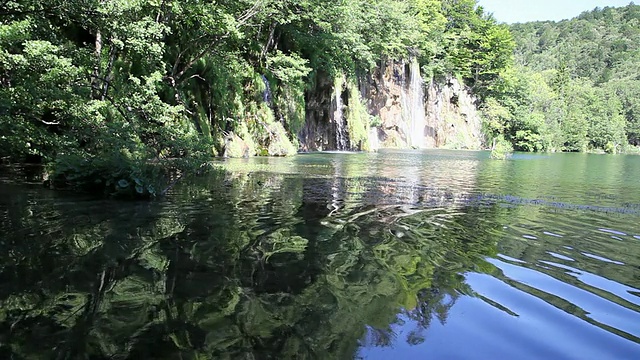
{"x": 501, "y": 149}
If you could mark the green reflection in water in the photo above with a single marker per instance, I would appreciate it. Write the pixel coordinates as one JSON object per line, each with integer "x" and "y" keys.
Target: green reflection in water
{"x": 282, "y": 258}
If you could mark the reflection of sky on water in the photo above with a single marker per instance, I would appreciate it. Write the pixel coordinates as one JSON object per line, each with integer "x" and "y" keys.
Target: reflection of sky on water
{"x": 477, "y": 330}
{"x": 562, "y": 209}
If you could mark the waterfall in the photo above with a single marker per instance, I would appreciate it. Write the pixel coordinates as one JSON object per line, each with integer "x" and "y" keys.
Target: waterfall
{"x": 338, "y": 116}
{"x": 374, "y": 139}
{"x": 413, "y": 106}
{"x": 266, "y": 94}
{"x": 417, "y": 106}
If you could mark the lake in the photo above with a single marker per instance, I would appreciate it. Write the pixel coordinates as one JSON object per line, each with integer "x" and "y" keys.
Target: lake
{"x": 396, "y": 254}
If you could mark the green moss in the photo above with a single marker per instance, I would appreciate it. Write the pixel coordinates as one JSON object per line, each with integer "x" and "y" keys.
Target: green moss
{"x": 630, "y": 149}
{"x": 393, "y": 140}
{"x": 240, "y": 144}
{"x": 458, "y": 142}
{"x": 280, "y": 145}
{"x": 291, "y": 104}
{"x": 264, "y": 135}
{"x": 357, "y": 119}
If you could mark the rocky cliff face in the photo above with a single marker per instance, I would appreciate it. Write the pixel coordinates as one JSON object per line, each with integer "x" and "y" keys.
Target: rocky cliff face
{"x": 411, "y": 114}
{"x": 453, "y": 120}
{"x": 404, "y": 112}
{"x": 323, "y": 111}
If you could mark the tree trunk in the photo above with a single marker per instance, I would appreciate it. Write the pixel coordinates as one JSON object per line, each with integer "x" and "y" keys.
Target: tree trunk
{"x": 109, "y": 72}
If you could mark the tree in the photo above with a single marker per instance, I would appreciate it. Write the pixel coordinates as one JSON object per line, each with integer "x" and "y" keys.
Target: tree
{"x": 594, "y": 65}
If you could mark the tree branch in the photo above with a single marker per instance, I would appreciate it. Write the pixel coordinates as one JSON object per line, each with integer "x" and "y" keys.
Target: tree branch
{"x": 109, "y": 73}
{"x": 242, "y": 20}
{"x": 270, "y": 39}
{"x": 199, "y": 56}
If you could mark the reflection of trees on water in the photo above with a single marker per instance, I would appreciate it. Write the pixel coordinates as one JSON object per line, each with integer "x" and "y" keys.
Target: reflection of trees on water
{"x": 248, "y": 266}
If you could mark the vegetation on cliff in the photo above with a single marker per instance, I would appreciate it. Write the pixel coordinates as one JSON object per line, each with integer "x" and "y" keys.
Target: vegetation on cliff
{"x": 103, "y": 90}
{"x": 113, "y": 94}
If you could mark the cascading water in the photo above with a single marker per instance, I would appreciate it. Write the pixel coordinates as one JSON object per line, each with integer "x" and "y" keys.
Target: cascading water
{"x": 266, "y": 95}
{"x": 417, "y": 106}
{"x": 338, "y": 116}
{"x": 413, "y": 109}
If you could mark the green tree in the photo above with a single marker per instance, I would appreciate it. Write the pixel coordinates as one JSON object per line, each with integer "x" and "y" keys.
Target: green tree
{"x": 596, "y": 56}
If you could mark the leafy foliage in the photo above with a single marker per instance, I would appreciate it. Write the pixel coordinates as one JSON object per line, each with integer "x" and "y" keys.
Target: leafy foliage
{"x": 162, "y": 81}
{"x": 574, "y": 84}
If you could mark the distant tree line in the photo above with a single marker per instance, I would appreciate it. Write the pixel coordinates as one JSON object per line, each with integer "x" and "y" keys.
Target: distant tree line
{"x": 574, "y": 86}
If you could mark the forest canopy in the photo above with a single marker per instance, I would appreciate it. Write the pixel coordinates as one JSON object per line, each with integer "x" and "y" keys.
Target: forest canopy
{"x": 113, "y": 94}
{"x": 575, "y": 84}
{"x": 101, "y": 89}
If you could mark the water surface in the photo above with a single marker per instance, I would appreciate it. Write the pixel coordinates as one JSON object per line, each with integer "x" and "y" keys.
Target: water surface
{"x": 397, "y": 254}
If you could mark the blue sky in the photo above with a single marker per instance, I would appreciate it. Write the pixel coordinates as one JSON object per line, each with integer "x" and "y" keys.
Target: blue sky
{"x": 511, "y": 11}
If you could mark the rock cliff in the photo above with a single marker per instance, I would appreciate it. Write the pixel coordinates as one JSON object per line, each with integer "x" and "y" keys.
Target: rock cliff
{"x": 404, "y": 112}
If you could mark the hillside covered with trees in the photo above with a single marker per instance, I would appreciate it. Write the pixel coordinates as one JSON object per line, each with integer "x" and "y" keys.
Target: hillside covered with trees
{"x": 574, "y": 86}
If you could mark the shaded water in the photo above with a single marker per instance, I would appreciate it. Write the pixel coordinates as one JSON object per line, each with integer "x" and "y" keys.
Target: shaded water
{"x": 334, "y": 256}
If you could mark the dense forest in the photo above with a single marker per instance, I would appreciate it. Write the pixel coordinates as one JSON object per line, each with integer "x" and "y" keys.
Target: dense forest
{"x": 115, "y": 94}
{"x": 112, "y": 92}
{"x": 575, "y": 84}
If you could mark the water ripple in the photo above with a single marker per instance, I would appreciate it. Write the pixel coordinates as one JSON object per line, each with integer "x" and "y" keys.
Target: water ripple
{"x": 600, "y": 310}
